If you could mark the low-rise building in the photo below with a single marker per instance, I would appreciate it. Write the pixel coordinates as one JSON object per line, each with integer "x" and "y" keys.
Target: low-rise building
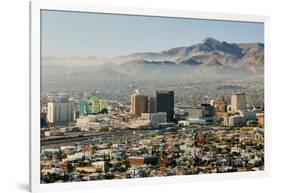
{"x": 142, "y": 160}
{"x": 248, "y": 115}
{"x": 100, "y": 166}
{"x": 260, "y": 118}
{"x": 201, "y": 115}
{"x": 89, "y": 122}
{"x": 155, "y": 118}
{"x": 53, "y": 133}
{"x": 234, "y": 120}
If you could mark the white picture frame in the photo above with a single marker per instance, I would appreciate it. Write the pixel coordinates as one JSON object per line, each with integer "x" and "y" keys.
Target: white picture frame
{"x": 35, "y": 45}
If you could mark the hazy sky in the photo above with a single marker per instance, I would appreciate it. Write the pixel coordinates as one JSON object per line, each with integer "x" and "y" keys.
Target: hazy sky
{"x": 105, "y": 35}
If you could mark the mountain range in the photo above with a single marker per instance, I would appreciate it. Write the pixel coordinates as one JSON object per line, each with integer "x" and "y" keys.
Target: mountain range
{"x": 209, "y": 59}
{"x": 209, "y": 52}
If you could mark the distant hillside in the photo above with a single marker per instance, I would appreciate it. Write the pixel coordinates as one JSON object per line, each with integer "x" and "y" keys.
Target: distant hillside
{"x": 209, "y": 52}
{"x": 210, "y": 59}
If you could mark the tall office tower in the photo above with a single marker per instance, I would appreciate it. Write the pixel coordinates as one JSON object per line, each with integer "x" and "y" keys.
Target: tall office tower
{"x": 238, "y": 102}
{"x": 60, "y": 112}
{"x": 91, "y": 105}
{"x": 103, "y": 104}
{"x": 95, "y": 101}
{"x": 139, "y": 104}
{"x": 85, "y": 108}
{"x": 220, "y": 104}
{"x": 151, "y": 104}
{"x": 165, "y": 103}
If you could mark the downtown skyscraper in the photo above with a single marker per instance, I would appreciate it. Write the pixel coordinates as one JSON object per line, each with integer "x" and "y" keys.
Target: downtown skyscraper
{"x": 139, "y": 104}
{"x": 165, "y": 103}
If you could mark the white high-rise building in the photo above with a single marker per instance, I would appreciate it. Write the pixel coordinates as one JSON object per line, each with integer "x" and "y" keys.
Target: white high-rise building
{"x": 60, "y": 112}
{"x": 238, "y": 102}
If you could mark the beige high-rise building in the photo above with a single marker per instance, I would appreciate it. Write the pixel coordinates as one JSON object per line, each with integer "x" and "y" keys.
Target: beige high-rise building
{"x": 139, "y": 104}
{"x": 220, "y": 104}
{"x": 238, "y": 102}
{"x": 60, "y": 112}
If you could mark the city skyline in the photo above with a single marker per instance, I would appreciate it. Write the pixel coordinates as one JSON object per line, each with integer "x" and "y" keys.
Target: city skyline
{"x": 191, "y": 110}
{"x": 128, "y": 141}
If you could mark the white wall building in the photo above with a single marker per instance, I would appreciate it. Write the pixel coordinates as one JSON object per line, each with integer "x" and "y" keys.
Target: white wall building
{"x": 100, "y": 166}
{"x": 60, "y": 112}
{"x": 94, "y": 122}
{"x": 235, "y": 120}
{"x": 155, "y": 118}
{"x": 53, "y": 133}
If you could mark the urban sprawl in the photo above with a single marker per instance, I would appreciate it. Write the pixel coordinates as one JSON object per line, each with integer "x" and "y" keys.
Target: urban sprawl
{"x": 91, "y": 137}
